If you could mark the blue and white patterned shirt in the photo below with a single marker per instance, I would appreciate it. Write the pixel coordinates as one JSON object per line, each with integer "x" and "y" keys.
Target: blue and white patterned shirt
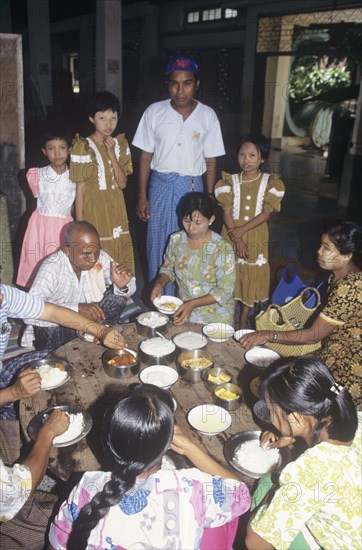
{"x": 18, "y": 304}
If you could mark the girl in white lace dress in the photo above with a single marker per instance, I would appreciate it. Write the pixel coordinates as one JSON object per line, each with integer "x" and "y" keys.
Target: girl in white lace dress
{"x": 55, "y": 194}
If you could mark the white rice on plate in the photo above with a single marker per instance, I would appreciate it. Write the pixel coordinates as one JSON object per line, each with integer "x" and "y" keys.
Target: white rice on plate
{"x": 76, "y": 426}
{"x": 250, "y": 456}
{"x": 51, "y": 375}
{"x": 159, "y": 377}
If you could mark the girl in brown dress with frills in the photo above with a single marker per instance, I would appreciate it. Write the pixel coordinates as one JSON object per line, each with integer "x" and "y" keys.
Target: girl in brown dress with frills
{"x": 247, "y": 200}
{"x": 99, "y": 166}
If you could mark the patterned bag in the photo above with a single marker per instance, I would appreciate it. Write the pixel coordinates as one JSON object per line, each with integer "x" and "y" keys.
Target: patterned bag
{"x": 292, "y": 316}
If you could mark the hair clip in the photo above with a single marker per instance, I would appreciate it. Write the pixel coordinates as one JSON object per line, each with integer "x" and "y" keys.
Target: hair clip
{"x": 336, "y": 388}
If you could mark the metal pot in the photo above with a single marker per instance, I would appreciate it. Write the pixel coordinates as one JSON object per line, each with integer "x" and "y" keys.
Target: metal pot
{"x": 225, "y": 404}
{"x": 214, "y": 371}
{"x": 192, "y": 374}
{"x": 122, "y": 371}
{"x": 159, "y": 359}
{"x": 182, "y": 343}
{"x": 148, "y": 331}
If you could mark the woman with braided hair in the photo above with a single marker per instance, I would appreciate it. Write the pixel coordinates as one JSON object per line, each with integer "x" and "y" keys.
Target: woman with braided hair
{"x": 318, "y": 502}
{"x": 140, "y": 505}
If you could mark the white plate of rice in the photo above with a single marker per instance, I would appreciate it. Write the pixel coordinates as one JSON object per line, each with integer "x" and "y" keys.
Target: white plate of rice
{"x": 53, "y": 372}
{"x": 80, "y": 423}
{"x": 159, "y": 375}
{"x": 244, "y": 454}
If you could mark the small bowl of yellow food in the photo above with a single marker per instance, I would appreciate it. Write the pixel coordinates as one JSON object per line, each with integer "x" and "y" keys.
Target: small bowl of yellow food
{"x": 214, "y": 377}
{"x": 167, "y": 304}
{"x": 228, "y": 396}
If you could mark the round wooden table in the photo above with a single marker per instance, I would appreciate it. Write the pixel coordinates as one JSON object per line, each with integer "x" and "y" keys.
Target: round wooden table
{"x": 93, "y": 390}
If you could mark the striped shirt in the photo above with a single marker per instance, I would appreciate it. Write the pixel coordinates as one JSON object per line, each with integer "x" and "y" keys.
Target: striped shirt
{"x": 17, "y": 304}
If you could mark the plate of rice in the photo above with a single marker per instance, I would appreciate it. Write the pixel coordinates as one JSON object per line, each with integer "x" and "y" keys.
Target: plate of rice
{"x": 53, "y": 372}
{"x": 80, "y": 423}
{"x": 159, "y": 375}
{"x": 244, "y": 454}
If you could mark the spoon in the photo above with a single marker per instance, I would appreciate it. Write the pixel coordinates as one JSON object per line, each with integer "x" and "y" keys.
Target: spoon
{"x": 161, "y": 335}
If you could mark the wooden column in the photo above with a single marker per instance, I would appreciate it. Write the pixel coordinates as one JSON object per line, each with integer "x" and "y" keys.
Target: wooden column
{"x": 109, "y": 47}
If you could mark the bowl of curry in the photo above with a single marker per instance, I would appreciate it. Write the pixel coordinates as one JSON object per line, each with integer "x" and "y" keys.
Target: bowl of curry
{"x": 122, "y": 363}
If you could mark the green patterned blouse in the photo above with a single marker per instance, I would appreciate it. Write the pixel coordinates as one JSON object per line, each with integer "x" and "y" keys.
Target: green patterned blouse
{"x": 208, "y": 270}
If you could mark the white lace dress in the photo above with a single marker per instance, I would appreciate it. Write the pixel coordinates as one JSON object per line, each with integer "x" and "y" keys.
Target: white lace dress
{"x": 55, "y": 194}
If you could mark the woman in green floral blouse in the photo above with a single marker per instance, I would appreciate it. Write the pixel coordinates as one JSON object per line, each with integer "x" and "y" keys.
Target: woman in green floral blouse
{"x": 201, "y": 263}
{"x": 318, "y": 501}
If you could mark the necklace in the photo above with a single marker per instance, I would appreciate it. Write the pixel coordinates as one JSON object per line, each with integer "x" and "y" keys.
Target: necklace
{"x": 249, "y": 181}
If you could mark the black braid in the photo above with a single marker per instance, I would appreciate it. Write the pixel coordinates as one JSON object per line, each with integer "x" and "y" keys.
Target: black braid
{"x": 136, "y": 434}
{"x": 94, "y": 511}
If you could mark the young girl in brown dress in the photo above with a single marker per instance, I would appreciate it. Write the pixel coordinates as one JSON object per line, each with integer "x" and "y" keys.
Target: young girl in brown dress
{"x": 99, "y": 166}
{"x": 248, "y": 198}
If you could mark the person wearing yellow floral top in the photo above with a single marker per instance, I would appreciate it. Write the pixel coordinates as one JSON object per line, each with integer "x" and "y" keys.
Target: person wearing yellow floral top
{"x": 99, "y": 165}
{"x": 339, "y": 324}
{"x": 319, "y": 495}
{"x": 202, "y": 264}
{"x": 247, "y": 200}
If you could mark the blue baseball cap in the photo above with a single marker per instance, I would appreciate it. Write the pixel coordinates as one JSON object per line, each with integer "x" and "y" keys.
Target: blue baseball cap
{"x": 182, "y": 63}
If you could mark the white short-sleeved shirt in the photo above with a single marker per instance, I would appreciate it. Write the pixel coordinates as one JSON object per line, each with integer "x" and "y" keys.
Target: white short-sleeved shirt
{"x": 179, "y": 145}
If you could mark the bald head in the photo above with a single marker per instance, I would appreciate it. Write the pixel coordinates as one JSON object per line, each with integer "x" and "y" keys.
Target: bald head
{"x": 74, "y": 229}
{"x": 81, "y": 246}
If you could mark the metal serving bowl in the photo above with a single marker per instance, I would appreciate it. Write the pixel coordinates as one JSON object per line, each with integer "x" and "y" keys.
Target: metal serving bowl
{"x": 233, "y": 404}
{"x": 193, "y": 374}
{"x": 215, "y": 372}
{"x": 123, "y": 371}
{"x": 148, "y": 331}
{"x": 157, "y": 358}
{"x": 189, "y": 340}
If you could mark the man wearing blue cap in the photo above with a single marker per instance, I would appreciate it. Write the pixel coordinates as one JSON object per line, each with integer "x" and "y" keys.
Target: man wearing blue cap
{"x": 179, "y": 139}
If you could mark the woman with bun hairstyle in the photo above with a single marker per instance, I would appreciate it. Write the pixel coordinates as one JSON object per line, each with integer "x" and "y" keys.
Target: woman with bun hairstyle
{"x": 339, "y": 324}
{"x": 140, "y": 505}
{"x": 319, "y": 495}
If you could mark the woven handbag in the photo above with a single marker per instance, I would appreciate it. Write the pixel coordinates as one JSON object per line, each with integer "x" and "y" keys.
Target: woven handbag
{"x": 288, "y": 287}
{"x": 292, "y": 316}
